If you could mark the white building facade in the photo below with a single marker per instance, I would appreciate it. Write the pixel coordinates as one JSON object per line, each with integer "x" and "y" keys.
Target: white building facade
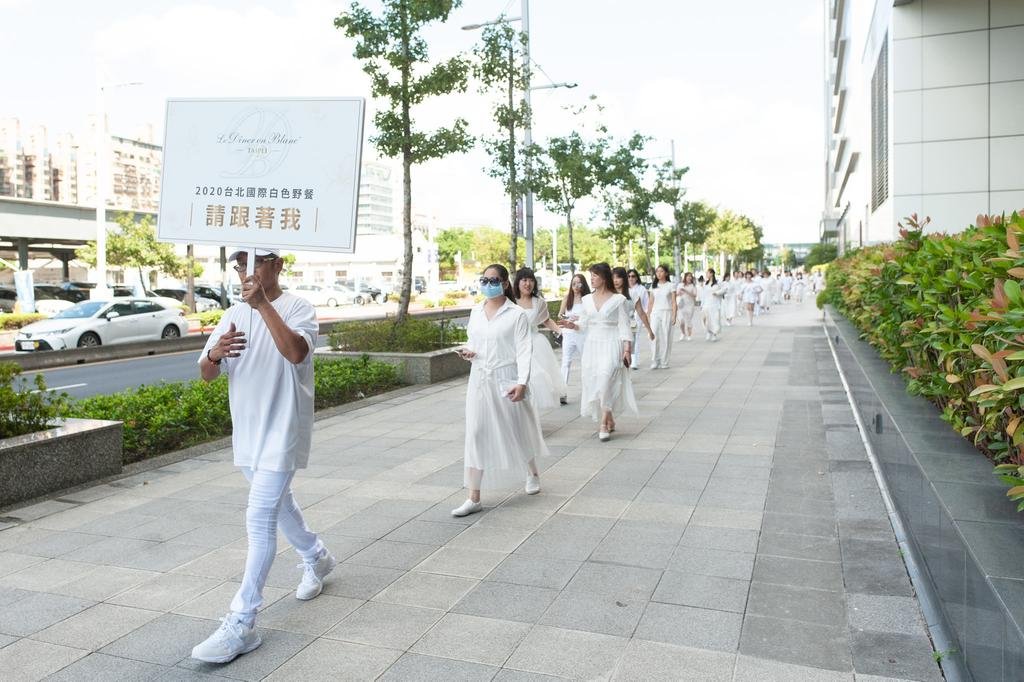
{"x": 924, "y": 103}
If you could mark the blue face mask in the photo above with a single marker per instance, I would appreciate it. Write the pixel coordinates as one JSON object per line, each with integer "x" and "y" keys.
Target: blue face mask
{"x": 492, "y": 290}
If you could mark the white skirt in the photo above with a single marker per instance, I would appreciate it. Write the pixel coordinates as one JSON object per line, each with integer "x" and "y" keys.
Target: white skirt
{"x": 607, "y": 384}
{"x": 546, "y": 385}
{"x": 501, "y": 436}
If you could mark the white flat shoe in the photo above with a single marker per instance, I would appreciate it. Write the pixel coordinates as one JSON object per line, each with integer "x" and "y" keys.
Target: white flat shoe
{"x": 532, "y": 485}
{"x": 603, "y": 436}
{"x": 468, "y": 507}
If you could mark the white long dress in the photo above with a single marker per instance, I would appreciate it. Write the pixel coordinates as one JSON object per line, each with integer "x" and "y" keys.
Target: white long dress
{"x": 607, "y": 384}
{"x": 637, "y": 293}
{"x": 546, "y": 384}
{"x": 687, "y": 305}
{"x": 711, "y": 307}
{"x": 729, "y": 301}
{"x": 501, "y": 436}
{"x": 661, "y": 323}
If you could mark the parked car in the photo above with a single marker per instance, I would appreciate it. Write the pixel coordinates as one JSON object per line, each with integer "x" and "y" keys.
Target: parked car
{"x": 8, "y": 297}
{"x": 75, "y": 295}
{"x": 331, "y": 296}
{"x": 365, "y": 289}
{"x": 203, "y": 303}
{"x": 48, "y": 304}
{"x": 95, "y": 323}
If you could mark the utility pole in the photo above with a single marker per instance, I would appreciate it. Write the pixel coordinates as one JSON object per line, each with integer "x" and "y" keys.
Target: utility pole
{"x": 527, "y": 138}
{"x": 675, "y": 241}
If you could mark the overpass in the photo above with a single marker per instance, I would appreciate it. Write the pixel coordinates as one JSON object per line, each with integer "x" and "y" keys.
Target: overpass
{"x": 29, "y": 227}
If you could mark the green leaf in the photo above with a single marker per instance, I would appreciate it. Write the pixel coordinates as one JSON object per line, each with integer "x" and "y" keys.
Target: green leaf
{"x": 1013, "y": 384}
{"x": 984, "y": 388}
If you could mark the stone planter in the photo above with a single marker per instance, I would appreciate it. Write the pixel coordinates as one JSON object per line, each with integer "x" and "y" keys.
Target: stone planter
{"x": 76, "y": 452}
{"x": 414, "y": 368}
{"x": 967, "y": 536}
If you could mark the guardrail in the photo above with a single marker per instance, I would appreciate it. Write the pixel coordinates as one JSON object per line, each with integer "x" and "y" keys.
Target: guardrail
{"x": 81, "y": 356}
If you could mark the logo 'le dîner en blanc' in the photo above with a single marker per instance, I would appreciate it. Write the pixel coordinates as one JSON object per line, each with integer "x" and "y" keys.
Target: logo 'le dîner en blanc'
{"x": 258, "y": 141}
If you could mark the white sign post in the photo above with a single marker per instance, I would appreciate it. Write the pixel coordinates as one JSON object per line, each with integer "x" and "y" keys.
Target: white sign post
{"x": 262, "y": 173}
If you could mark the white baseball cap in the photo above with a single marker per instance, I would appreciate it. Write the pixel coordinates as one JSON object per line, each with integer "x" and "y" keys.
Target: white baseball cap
{"x": 259, "y": 252}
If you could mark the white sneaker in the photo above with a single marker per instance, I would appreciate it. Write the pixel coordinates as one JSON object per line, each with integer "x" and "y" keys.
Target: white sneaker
{"x": 603, "y": 436}
{"x": 532, "y": 485}
{"x": 231, "y": 640}
{"x": 468, "y": 507}
{"x": 681, "y": 337}
{"x": 654, "y": 365}
{"x": 313, "y": 575}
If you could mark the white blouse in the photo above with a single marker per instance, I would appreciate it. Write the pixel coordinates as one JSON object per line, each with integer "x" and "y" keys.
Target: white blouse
{"x": 502, "y": 341}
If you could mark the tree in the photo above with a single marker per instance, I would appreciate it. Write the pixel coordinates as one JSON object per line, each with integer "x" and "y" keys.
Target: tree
{"x": 395, "y": 56}
{"x": 786, "y": 258}
{"x": 820, "y": 254}
{"x": 498, "y": 67}
{"x": 451, "y": 243}
{"x": 693, "y": 221}
{"x": 731, "y": 234}
{"x": 134, "y": 245}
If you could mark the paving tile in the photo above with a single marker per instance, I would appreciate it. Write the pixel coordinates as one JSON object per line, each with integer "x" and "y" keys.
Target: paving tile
{"x": 426, "y": 532}
{"x": 427, "y": 590}
{"x": 46, "y": 575}
{"x": 567, "y": 653}
{"x": 494, "y": 538}
{"x": 896, "y": 655}
{"x": 506, "y": 601}
{"x": 610, "y": 579}
{"x": 37, "y": 611}
{"x": 56, "y": 544}
{"x": 277, "y": 647}
{"x": 165, "y": 592}
{"x": 653, "y": 661}
{"x": 393, "y": 626}
{"x": 805, "y": 604}
{"x": 331, "y": 659}
{"x": 461, "y": 561}
{"x": 750, "y": 669}
{"x": 707, "y": 592}
{"x": 388, "y": 554}
{"x": 472, "y": 638}
{"x": 595, "y": 612}
{"x": 728, "y": 539}
{"x": 715, "y": 562}
{"x": 103, "y": 667}
{"x": 313, "y": 617}
{"x": 794, "y": 546}
{"x": 822, "y": 575}
{"x": 789, "y": 641}
{"x": 885, "y": 614}
{"x": 163, "y": 641}
{"x": 28, "y": 659}
{"x": 633, "y": 552}
{"x": 359, "y": 582}
{"x": 874, "y": 567}
{"x": 420, "y": 667}
{"x": 214, "y": 603}
{"x": 535, "y": 571}
{"x": 688, "y": 626}
{"x": 95, "y": 627}
{"x": 799, "y": 524}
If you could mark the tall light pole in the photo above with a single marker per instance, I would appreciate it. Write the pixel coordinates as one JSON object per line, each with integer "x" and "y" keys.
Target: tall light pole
{"x": 528, "y": 129}
{"x": 102, "y": 142}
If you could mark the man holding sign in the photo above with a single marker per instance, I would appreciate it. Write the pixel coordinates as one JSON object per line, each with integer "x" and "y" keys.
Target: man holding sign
{"x": 265, "y": 346}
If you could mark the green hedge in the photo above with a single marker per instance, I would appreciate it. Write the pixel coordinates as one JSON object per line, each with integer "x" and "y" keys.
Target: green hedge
{"x": 166, "y": 417}
{"x": 210, "y": 318}
{"x": 26, "y": 407}
{"x": 10, "y": 321}
{"x": 947, "y": 311}
{"x": 383, "y": 336}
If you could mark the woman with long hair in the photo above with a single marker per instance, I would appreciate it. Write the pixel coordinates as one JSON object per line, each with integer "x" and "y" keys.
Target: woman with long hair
{"x": 572, "y": 340}
{"x": 711, "y": 305}
{"x": 503, "y": 436}
{"x": 751, "y": 294}
{"x": 662, "y": 310}
{"x": 687, "y": 303}
{"x": 546, "y": 387}
{"x": 607, "y": 386}
{"x": 623, "y": 283}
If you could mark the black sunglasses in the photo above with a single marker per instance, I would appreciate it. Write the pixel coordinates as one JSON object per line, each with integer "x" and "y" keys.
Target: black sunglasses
{"x": 490, "y": 280}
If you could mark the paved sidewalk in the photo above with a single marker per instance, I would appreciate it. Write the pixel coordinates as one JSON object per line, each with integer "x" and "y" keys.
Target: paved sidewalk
{"x": 733, "y": 532}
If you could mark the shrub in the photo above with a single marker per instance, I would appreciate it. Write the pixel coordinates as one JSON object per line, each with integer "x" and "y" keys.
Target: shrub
{"x": 381, "y": 336}
{"x": 449, "y": 301}
{"x": 166, "y": 417}
{"x": 9, "y": 321}
{"x": 553, "y": 308}
{"x": 427, "y": 303}
{"x": 210, "y": 318}
{"x": 27, "y": 407}
{"x": 948, "y": 313}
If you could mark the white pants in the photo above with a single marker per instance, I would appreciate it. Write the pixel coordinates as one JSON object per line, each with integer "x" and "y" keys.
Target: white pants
{"x": 271, "y": 504}
{"x": 661, "y": 322}
{"x": 572, "y": 349}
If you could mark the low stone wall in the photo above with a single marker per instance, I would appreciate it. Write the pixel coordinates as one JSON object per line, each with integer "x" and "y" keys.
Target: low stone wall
{"x": 79, "y": 451}
{"x": 414, "y": 368}
{"x": 966, "y": 534}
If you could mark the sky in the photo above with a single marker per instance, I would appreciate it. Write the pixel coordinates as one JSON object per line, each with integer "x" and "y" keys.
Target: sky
{"x": 735, "y": 84}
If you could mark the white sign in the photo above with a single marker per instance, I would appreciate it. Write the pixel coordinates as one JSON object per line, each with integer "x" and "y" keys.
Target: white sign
{"x": 269, "y": 173}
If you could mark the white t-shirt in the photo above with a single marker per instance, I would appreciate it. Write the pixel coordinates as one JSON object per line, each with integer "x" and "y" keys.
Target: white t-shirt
{"x": 271, "y": 398}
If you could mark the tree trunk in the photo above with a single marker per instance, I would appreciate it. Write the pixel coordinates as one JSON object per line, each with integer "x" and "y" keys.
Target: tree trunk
{"x": 190, "y": 279}
{"x": 406, "y": 292}
{"x": 513, "y": 240}
{"x": 652, "y": 266}
{"x": 572, "y": 253}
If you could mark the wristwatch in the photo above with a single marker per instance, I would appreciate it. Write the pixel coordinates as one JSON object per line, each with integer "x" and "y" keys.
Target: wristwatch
{"x": 210, "y": 358}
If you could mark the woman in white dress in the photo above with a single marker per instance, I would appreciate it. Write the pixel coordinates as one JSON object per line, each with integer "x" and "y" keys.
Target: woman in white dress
{"x": 750, "y": 295}
{"x": 607, "y": 386}
{"x": 637, "y": 314}
{"x": 638, "y": 294}
{"x": 503, "y": 436}
{"x": 799, "y": 286}
{"x": 572, "y": 340}
{"x": 711, "y": 305}
{"x": 662, "y": 310}
{"x": 546, "y": 387}
{"x": 687, "y": 304}
{"x": 729, "y": 299}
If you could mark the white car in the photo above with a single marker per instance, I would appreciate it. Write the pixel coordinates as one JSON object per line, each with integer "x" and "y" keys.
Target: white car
{"x": 97, "y": 323}
{"x": 332, "y": 296}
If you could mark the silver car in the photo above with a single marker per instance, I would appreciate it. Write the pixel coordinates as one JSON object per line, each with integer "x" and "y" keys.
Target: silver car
{"x": 97, "y": 323}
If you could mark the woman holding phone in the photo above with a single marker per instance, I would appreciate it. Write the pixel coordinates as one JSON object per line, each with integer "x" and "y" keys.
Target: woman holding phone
{"x": 607, "y": 385}
{"x": 662, "y": 311}
{"x": 503, "y": 436}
